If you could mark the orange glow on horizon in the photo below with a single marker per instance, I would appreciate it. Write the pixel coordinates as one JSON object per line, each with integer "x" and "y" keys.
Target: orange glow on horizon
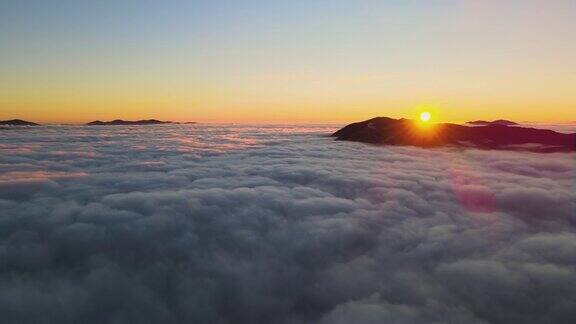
{"x": 477, "y": 60}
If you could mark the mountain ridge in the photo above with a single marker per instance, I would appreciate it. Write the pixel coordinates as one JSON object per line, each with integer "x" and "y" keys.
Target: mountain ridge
{"x": 494, "y": 122}
{"x": 17, "y": 122}
{"x": 121, "y": 122}
{"x": 389, "y": 131}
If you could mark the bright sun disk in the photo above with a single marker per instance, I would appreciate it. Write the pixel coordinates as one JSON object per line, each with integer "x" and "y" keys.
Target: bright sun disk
{"x": 425, "y": 116}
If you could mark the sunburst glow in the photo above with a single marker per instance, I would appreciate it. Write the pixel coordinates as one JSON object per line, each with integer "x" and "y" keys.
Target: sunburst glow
{"x": 425, "y": 116}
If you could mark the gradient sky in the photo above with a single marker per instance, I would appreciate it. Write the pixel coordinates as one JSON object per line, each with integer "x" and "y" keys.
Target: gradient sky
{"x": 287, "y": 61}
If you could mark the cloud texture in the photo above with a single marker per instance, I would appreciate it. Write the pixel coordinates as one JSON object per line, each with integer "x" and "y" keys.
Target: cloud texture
{"x": 230, "y": 224}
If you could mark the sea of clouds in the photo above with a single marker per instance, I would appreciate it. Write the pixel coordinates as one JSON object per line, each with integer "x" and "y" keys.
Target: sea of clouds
{"x": 279, "y": 224}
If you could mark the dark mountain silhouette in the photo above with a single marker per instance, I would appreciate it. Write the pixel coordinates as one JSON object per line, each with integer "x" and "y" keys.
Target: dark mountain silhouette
{"x": 495, "y": 122}
{"x": 17, "y": 122}
{"x": 128, "y": 122}
{"x": 388, "y": 131}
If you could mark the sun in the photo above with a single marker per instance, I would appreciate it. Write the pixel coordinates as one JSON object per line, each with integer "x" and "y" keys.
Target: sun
{"x": 425, "y": 116}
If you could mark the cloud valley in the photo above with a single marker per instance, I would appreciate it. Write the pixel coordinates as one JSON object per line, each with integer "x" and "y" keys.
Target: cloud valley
{"x": 279, "y": 224}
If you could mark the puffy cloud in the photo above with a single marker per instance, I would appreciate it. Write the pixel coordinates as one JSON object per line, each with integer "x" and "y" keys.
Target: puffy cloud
{"x": 242, "y": 224}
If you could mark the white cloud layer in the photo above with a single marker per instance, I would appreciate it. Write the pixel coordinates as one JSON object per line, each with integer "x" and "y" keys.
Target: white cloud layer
{"x": 231, "y": 224}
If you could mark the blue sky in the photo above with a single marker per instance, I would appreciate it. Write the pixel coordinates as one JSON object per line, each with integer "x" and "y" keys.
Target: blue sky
{"x": 244, "y": 57}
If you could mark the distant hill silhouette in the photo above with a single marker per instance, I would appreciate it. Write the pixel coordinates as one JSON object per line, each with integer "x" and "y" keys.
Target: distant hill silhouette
{"x": 17, "y": 122}
{"x": 495, "y": 122}
{"x": 388, "y": 131}
{"x": 128, "y": 122}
